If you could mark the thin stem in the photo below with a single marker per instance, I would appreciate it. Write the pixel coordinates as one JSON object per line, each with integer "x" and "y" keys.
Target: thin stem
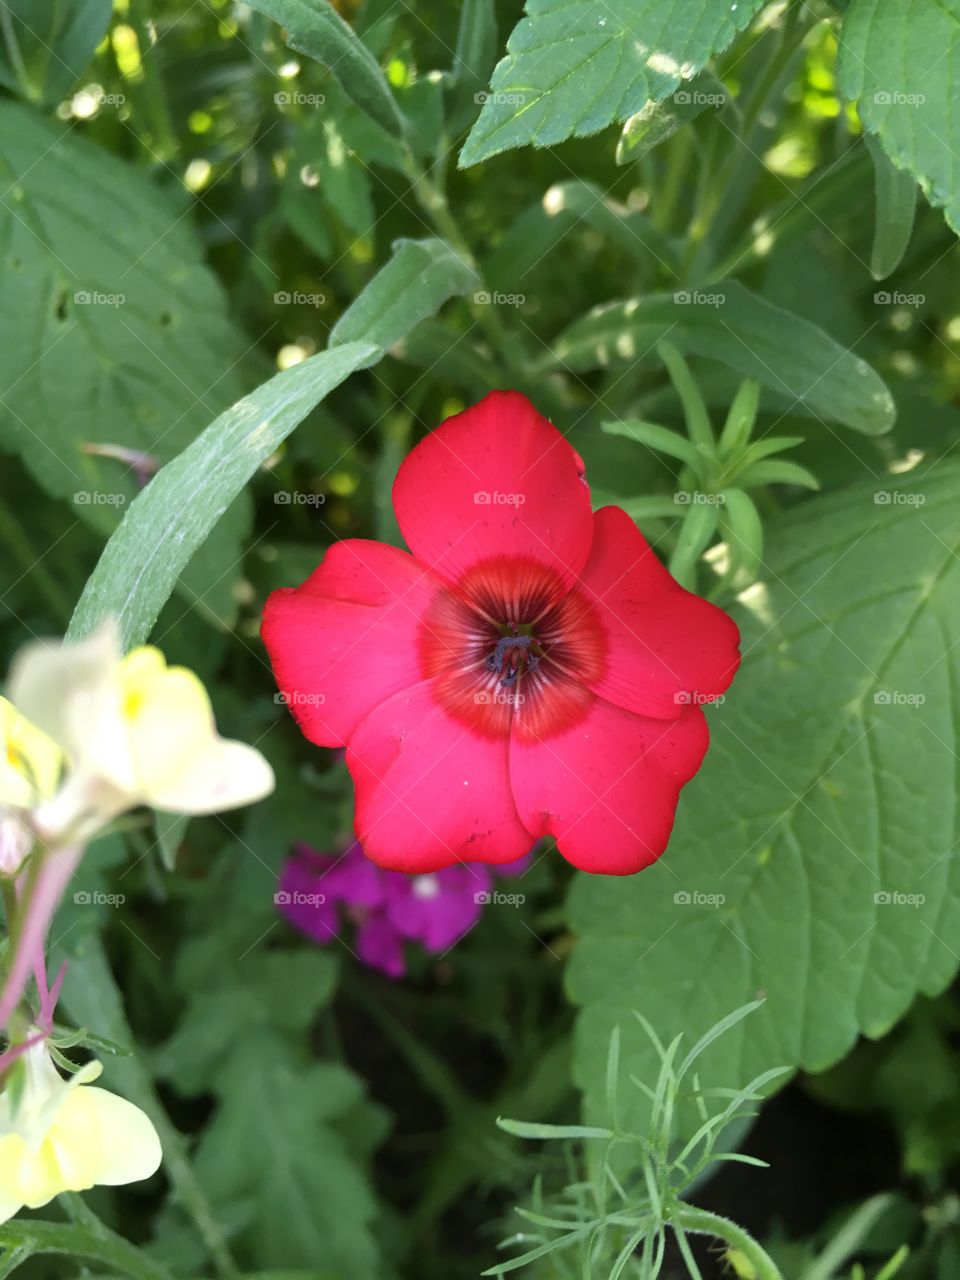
{"x": 702, "y": 1222}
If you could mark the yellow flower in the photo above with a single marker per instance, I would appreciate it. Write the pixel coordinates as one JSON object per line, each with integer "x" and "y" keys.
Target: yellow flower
{"x": 67, "y": 1136}
{"x": 135, "y": 732}
{"x": 30, "y": 765}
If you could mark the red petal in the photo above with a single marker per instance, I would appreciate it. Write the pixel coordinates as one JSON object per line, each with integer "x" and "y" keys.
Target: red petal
{"x": 496, "y": 480}
{"x": 608, "y": 788}
{"x": 665, "y": 647}
{"x": 349, "y": 637}
{"x": 430, "y": 792}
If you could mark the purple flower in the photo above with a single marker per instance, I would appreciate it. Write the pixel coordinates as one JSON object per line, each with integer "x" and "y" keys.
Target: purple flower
{"x": 319, "y": 891}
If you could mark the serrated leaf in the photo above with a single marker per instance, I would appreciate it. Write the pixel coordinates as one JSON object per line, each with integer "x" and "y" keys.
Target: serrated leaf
{"x": 900, "y": 64}
{"x": 306, "y": 1198}
{"x": 743, "y": 332}
{"x": 803, "y": 846}
{"x": 575, "y": 66}
{"x": 896, "y": 200}
{"x": 315, "y": 28}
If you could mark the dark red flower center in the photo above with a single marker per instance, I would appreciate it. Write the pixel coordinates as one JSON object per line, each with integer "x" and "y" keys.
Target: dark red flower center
{"x": 511, "y": 650}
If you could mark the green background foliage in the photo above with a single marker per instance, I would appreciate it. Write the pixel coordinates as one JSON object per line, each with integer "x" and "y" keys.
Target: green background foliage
{"x": 254, "y": 252}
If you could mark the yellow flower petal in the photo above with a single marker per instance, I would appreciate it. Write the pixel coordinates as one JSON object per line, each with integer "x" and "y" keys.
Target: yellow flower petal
{"x": 30, "y": 761}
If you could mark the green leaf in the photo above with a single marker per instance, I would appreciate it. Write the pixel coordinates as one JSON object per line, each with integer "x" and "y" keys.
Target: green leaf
{"x": 138, "y": 349}
{"x": 896, "y": 197}
{"x": 655, "y": 122}
{"x": 419, "y": 277}
{"x": 802, "y": 848}
{"x": 900, "y": 64}
{"x": 744, "y": 332}
{"x": 171, "y": 518}
{"x": 315, "y": 28}
{"x": 100, "y": 1245}
{"x": 44, "y": 48}
{"x": 575, "y": 66}
{"x": 474, "y": 59}
{"x": 304, "y": 1196}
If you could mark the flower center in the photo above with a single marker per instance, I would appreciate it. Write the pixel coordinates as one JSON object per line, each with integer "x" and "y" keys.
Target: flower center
{"x": 515, "y": 652}
{"x": 511, "y": 651}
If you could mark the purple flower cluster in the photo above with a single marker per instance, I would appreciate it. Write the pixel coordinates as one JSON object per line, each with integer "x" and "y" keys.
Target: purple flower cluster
{"x": 319, "y": 892}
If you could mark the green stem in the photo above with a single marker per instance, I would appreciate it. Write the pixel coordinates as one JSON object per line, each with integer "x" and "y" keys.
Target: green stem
{"x": 702, "y": 1222}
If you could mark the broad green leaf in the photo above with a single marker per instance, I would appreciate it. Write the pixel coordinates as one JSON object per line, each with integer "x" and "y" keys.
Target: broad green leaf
{"x": 45, "y": 47}
{"x": 659, "y": 120}
{"x": 420, "y": 276}
{"x": 122, "y": 339}
{"x": 743, "y": 332}
{"x": 575, "y": 66}
{"x": 900, "y": 63}
{"x": 896, "y": 198}
{"x": 811, "y": 861}
{"x": 304, "y": 1197}
{"x": 315, "y": 28}
{"x": 166, "y": 524}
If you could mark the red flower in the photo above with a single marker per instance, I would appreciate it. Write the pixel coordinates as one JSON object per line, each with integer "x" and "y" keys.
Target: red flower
{"x": 531, "y": 669}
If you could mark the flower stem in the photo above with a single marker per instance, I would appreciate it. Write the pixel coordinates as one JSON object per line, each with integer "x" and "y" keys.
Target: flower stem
{"x": 702, "y": 1222}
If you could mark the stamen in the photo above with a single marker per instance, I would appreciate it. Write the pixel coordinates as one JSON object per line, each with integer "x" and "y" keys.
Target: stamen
{"x": 516, "y": 653}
